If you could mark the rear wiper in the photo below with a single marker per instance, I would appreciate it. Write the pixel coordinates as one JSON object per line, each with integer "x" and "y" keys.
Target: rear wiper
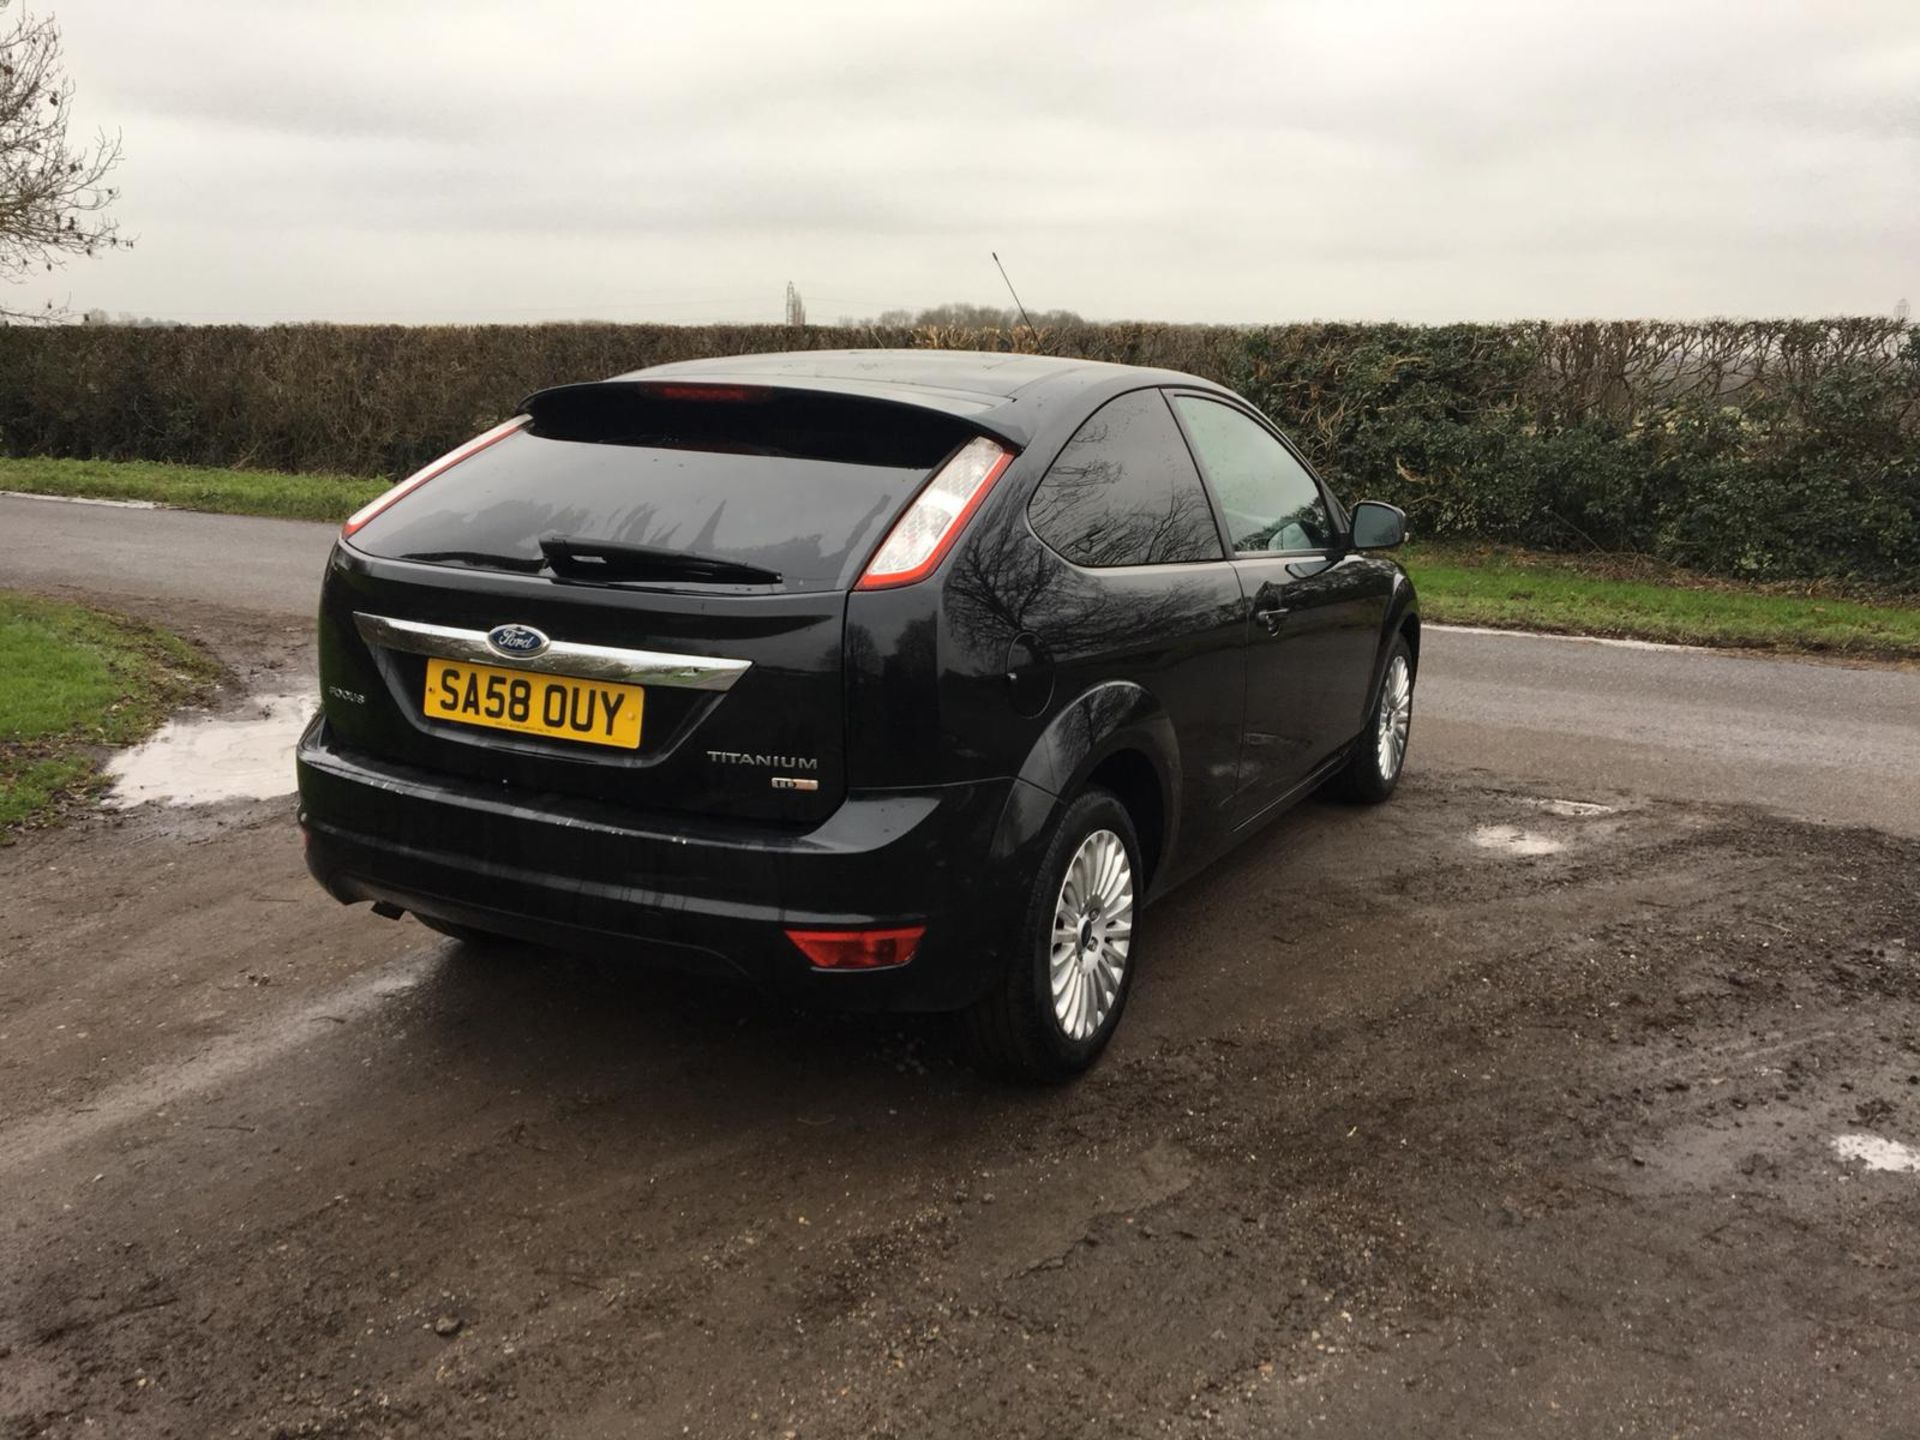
{"x": 609, "y": 560}
{"x": 480, "y": 558}
{"x": 606, "y": 560}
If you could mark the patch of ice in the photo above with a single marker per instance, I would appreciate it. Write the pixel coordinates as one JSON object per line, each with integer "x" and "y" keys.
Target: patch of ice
{"x": 1512, "y": 840}
{"x": 1878, "y": 1154}
{"x": 205, "y": 760}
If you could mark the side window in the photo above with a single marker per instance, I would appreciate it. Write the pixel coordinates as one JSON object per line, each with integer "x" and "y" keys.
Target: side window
{"x": 1270, "y": 500}
{"x": 1124, "y": 491}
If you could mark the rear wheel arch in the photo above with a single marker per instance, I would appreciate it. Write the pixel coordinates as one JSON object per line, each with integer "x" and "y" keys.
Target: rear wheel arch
{"x": 1132, "y": 779}
{"x": 1115, "y": 737}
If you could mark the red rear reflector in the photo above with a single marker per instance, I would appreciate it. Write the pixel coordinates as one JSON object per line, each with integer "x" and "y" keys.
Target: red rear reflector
{"x": 858, "y": 949}
{"x": 426, "y": 472}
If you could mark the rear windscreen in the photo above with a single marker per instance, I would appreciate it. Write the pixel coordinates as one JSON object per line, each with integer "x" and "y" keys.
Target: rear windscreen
{"x": 746, "y": 485}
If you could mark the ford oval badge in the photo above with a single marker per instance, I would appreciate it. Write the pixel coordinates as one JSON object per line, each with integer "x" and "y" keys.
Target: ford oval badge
{"x": 516, "y": 642}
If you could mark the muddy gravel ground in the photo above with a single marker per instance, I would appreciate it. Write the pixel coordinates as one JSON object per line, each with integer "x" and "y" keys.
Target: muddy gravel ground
{"x": 1470, "y": 1115}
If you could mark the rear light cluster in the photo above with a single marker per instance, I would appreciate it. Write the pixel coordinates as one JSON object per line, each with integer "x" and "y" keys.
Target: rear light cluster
{"x": 858, "y": 949}
{"x": 920, "y": 538}
{"x": 426, "y": 472}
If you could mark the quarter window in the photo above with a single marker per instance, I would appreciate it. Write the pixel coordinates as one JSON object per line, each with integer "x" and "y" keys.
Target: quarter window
{"x": 1124, "y": 491}
{"x": 1270, "y": 501}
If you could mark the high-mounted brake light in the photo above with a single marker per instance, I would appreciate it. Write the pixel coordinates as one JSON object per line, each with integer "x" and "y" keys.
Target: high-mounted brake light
{"x": 426, "y": 472}
{"x": 858, "y": 949}
{"x": 920, "y": 538}
{"x": 710, "y": 392}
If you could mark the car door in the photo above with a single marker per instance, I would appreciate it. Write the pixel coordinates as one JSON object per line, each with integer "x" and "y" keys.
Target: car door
{"x": 1314, "y": 622}
{"x": 1141, "y": 592}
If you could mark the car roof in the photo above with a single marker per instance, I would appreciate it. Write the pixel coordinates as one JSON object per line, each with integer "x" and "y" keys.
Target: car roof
{"x": 1013, "y": 395}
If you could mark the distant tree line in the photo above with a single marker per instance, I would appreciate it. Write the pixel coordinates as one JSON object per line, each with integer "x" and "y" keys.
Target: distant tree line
{"x": 959, "y": 315}
{"x": 125, "y": 317}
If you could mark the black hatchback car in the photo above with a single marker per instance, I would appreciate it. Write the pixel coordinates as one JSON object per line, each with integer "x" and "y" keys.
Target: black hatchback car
{"x": 889, "y": 678}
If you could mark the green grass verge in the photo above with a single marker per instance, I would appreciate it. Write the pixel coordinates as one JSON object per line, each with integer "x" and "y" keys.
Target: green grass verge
{"x": 192, "y": 487}
{"x": 73, "y": 682}
{"x": 1520, "y": 590}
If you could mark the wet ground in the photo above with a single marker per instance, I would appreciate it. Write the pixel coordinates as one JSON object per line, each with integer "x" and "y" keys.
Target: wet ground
{"x": 1485, "y": 1113}
{"x": 202, "y": 759}
{"x": 1524, "y": 1105}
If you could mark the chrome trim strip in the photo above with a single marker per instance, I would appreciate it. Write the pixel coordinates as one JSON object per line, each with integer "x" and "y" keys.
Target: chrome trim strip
{"x": 561, "y": 657}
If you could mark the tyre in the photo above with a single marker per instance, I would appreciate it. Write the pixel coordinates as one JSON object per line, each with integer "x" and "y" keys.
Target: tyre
{"x": 465, "y": 934}
{"x": 1373, "y": 769}
{"x": 1069, "y": 956}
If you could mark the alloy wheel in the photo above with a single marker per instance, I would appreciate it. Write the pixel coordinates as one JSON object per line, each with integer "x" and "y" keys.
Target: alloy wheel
{"x": 1395, "y": 717}
{"x": 1092, "y": 933}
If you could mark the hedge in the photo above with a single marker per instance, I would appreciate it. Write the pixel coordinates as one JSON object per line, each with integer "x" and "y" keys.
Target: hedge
{"x": 1762, "y": 449}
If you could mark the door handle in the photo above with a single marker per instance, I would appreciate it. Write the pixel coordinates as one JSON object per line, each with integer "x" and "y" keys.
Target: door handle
{"x": 1270, "y": 615}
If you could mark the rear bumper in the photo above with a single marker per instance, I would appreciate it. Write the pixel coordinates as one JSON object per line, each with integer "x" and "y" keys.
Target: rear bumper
{"x": 704, "y": 895}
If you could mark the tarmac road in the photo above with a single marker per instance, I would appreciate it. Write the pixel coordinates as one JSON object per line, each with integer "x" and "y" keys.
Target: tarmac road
{"x": 1833, "y": 743}
{"x": 1471, "y": 1114}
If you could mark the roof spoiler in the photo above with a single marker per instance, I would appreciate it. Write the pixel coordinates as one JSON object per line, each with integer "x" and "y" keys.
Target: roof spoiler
{"x": 588, "y": 403}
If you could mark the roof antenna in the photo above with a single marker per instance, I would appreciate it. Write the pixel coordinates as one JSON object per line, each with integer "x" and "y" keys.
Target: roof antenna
{"x": 1016, "y": 295}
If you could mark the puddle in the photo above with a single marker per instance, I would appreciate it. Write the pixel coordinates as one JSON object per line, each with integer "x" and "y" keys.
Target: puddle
{"x": 207, "y": 759}
{"x": 1878, "y": 1154}
{"x": 1512, "y": 840}
{"x": 1572, "y": 809}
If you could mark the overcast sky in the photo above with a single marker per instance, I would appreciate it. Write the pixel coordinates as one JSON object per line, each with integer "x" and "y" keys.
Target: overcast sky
{"x": 421, "y": 160}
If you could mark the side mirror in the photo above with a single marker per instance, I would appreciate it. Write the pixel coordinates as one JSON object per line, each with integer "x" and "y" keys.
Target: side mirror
{"x": 1378, "y": 526}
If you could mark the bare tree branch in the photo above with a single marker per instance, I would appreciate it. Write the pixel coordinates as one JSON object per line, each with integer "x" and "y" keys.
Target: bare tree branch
{"x": 53, "y": 195}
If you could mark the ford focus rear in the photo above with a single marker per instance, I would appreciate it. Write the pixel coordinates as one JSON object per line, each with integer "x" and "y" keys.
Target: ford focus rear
{"x": 885, "y": 679}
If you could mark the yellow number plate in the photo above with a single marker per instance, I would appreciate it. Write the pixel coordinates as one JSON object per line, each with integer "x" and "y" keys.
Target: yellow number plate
{"x": 566, "y": 708}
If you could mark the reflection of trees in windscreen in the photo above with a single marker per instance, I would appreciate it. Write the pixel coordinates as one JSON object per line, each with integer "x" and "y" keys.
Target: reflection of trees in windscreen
{"x": 1006, "y": 585}
{"x": 515, "y": 526}
{"x": 1082, "y": 511}
{"x": 509, "y": 527}
{"x": 799, "y": 557}
{"x": 1096, "y": 513}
